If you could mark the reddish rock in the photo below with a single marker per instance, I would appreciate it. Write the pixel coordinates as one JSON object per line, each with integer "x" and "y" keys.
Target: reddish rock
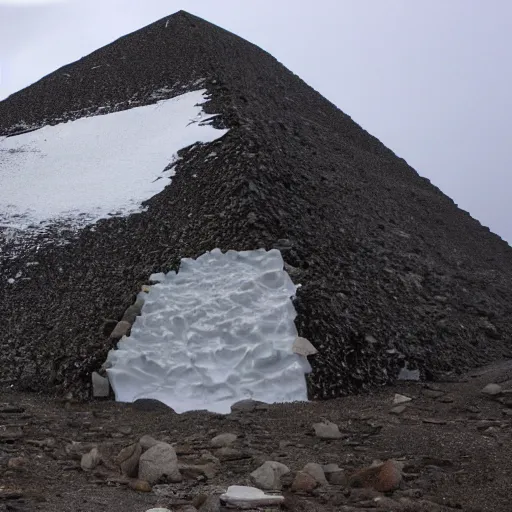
{"x": 383, "y": 478}
{"x": 140, "y": 486}
{"x": 17, "y": 462}
{"x": 303, "y": 482}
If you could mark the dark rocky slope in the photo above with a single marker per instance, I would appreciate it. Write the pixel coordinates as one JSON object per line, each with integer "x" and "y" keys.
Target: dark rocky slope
{"x": 392, "y": 270}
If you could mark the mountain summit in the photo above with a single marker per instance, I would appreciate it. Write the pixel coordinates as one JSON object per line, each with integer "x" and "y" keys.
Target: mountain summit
{"x": 394, "y": 276}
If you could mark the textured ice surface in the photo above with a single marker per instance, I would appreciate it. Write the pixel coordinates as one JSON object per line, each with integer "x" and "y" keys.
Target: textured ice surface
{"x": 219, "y": 331}
{"x": 95, "y": 167}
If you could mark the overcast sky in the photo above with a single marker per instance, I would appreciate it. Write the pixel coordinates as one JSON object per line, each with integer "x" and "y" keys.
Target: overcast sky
{"x": 432, "y": 79}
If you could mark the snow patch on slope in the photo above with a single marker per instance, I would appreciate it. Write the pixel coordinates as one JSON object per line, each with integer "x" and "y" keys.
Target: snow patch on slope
{"x": 96, "y": 167}
{"x": 219, "y": 331}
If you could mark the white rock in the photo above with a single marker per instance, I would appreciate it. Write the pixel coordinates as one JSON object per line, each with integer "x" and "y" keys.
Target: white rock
{"x": 492, "y": 390}
{"x": 158, "y": 510}
{"x": 401, "y": 399}
{"x": 268, "y": 475}
{"x": 327, "y": 430}
{"x": 90, "y": 460}
{"x": 249, "y": 497}
{"x": 157, "y": 462}
{"x": 303, "y": 347}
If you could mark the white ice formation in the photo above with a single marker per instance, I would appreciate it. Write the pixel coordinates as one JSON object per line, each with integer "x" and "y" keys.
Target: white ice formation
{"x": 219, "y": 331}
{"x": 249, "y": 498}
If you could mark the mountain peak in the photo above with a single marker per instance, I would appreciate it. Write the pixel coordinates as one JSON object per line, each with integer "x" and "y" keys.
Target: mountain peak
{"x": 393, "y": 274}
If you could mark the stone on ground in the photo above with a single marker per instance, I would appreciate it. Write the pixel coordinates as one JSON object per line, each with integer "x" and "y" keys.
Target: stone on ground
{"x": 317, "y": 472}
{"x": 492, "y": 390}
{"x": 131, "y": 314}
{"x": 223, "y": 440}
{"x": 100, "y": 386}
{"x": 140, "y": 486}
{"x": 303, "y": 347}
{"x": 90, "y": 460}
{"x": 159, "y": 462}
{"x": 383, "y": 478}
{"x": 194, "y": 471}
{"x": 268, "y": 475}
{"x": 77, "y": 449}
{"x": 327, "y": 430}
{"x": 401, "y": 399}
{"x": 121, "y": 329}
{"x": 304, "y": 482}
{"x": 228, "y": 453}
{"x": 335, "y": 475}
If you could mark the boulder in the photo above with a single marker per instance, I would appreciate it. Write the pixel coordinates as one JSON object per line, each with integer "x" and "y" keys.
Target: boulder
{"x": 223, "y": 440}
{"x": 317, "y": 472}
{"x": 303, "y": 482}
{"x": 159, "y": 462}
{"x": 268, "y": 475}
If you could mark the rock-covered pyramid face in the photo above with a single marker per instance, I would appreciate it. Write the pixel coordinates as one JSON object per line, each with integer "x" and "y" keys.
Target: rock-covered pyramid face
{"x": 392, "y": 272}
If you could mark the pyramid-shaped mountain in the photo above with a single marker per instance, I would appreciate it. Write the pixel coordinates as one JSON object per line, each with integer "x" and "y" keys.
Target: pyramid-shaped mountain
{"x": 393, "y": 274}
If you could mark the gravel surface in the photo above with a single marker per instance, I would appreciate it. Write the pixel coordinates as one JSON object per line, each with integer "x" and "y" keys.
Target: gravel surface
{"x": 452, "y": 443}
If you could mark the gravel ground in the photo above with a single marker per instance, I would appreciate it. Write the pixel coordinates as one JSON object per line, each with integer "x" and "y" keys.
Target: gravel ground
{"x": 452, "y": 441}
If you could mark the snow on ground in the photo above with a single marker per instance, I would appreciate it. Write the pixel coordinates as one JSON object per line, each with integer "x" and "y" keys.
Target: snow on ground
{"x": 95, "y": 167}
{"x": 219, "y": 331}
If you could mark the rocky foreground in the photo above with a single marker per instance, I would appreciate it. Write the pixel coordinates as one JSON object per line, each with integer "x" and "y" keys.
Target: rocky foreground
{"x": 413, "y": 447}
